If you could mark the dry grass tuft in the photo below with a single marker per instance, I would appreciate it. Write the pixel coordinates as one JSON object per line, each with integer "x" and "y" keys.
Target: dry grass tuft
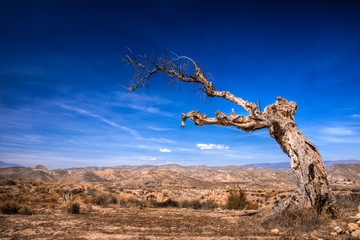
{"x": 297, "y": 221}
{"x": 348, "y": 202}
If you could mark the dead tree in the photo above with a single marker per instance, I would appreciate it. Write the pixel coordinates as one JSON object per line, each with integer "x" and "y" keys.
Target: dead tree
{"x": 305, "y": 160}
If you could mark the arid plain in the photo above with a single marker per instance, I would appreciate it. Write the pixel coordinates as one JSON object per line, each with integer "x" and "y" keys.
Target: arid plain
{"x": 168, "y": 202}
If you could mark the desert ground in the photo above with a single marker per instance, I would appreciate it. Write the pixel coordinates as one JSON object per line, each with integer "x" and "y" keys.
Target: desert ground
{"x": 167, "y": 202}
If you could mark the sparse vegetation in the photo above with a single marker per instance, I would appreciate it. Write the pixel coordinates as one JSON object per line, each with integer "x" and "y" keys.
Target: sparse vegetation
{"x": 9, "y": 182}
{"x": 348, "y": 202}
{"x": 295, "y": 221}
{"x": 132, "y": 204}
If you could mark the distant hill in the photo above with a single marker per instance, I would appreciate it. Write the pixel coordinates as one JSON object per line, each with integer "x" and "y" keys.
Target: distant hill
{"x": 6, "y": 165}
{"x": 344, "y": 172}
{"x": 279, "y": 165}
{"x": 172, "y": 175}
{"x": 27, "y": 174}
{"x": 83, "y": 177}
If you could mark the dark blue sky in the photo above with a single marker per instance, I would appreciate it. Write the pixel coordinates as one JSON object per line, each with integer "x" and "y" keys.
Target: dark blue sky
{"x": 61, "y": 67}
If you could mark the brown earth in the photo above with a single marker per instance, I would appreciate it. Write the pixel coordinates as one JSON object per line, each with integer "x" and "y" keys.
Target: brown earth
{"x": 162, "y": 202}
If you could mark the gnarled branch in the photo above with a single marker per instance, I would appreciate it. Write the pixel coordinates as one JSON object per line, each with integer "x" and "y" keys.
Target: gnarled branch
{"x": 177, "y": 69}
{"x": 247, "y": 124}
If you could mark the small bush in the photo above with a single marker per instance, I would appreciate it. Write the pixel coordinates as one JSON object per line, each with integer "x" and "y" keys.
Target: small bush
{"x": 113, "y": 199}
{"x": 99, "y": 200}
{"x": 9, "y": 207}
{"x": 167, "y": 203}
{"x": 9, "y": 182}
{"x": 237, "y": 199}
{"x": 75, "y": 208}
{"x": 209, "y": 204}
{"x": 78, "y": 190}
{"x": 25, "y": 210}
{"x": 195, "y": 204}
{"x": 130, "y": 201}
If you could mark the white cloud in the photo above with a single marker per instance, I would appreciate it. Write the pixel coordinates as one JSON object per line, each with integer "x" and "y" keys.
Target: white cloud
{"x": 356, "y": 115}
{"x": 148, "y": 158}
{"x": 211, "y": 146}
{"x": 338, "y": 131}
{"x": 165, "y": 150}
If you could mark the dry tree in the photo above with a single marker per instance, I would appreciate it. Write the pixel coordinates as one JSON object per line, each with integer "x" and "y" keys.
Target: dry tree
{"x": 312, "y": 190}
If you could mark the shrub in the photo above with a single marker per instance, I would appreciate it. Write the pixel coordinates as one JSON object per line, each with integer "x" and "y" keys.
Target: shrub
{"x": 237, "y": 199}
{"x": 100, "y": 199}
{"x": 195, "y": 204}
{"x": 9, "y": 207}
{"x": 75, "y": 208}
{"x": 127, "y": 201}
{"x": 209, "y": 204}
{"x": 78, "y": 190}
{"x": 296, "y": 221}
{"x": 25, "y": 210}
{"x": 113, "y": 199}
{"x": 168, "y": 203}
{"x": 9, "y": 182}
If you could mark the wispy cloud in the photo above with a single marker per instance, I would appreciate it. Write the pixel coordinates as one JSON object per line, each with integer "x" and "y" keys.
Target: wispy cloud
{"x": 212, "y": 146}
{"x": 339, "y": 135}
{"x": 90, "y": 114}
{"x": 160, "y": 140}
{"x": 142, "y": 102}
{"x": 185, "y": 149}
{"x": 143, "y": 108}
{"x": 145, "y": 158}
{"x": 338, "y": 131}
{"x": 159, "y": 129}
{"x": 355, "y": 115}
{"x": 165, "y": 150}
{"x": 133, "y": 98}
{"x": 239, "y": 156}
{"x": 340, "y": 139}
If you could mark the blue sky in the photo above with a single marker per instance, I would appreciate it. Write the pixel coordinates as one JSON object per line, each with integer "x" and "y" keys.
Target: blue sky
{"x": 61, "y": 69}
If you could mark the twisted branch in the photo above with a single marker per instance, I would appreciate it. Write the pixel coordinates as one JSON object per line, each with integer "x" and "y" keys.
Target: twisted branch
{"x": 176, "y": 69}
{"x": 247, "y": 124}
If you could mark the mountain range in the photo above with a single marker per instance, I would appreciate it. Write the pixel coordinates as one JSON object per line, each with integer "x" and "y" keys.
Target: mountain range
{"x": 171, "y": 175}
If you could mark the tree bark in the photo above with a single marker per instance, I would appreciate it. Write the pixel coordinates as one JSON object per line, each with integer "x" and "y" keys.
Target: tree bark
{"x": 305, "y": 160}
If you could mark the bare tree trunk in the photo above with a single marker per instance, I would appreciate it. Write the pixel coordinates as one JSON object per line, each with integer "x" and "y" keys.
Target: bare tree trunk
{"x": 313, "y": 188}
